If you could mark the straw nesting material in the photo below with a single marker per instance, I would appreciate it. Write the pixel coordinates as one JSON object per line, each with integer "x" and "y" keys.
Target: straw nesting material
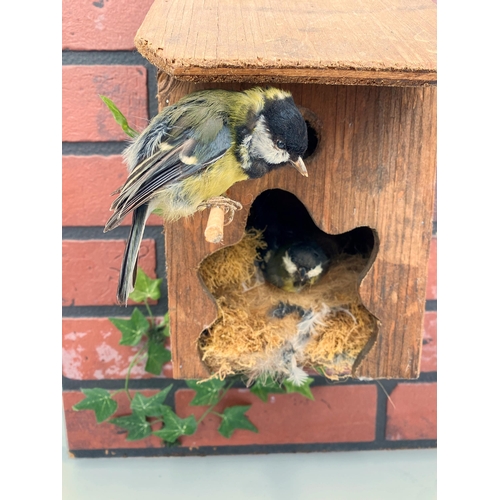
{"x": 324, "y": 327}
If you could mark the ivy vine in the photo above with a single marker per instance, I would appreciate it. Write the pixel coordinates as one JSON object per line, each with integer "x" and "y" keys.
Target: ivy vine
{"x": 150, "y": 335}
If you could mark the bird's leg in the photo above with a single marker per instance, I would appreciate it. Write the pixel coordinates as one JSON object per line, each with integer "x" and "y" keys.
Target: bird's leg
{"x": 226, "y": 204}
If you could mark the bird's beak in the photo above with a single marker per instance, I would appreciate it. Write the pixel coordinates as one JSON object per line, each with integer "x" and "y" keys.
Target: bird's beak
{"x": 299, "y": 165}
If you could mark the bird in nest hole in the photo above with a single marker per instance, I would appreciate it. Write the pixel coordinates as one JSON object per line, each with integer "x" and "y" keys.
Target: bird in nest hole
{"x": 294, "y": 266}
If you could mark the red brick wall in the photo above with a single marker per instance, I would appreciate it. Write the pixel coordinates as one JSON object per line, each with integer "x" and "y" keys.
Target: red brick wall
{"x": 98, "y": 58}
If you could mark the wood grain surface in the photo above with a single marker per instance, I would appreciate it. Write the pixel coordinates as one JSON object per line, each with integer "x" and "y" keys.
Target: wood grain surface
{"x": 371, "y": 42}
{"x": 374, "y": 166}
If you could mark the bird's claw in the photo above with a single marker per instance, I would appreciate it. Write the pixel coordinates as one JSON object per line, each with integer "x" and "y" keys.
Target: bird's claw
{"x": 226, "y": 204}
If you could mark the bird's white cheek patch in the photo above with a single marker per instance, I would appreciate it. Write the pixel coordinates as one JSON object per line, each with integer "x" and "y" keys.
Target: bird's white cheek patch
{"x": 290, "y": 267}
{"x": 262, "y": 146}
{"x": 316, "y": 271}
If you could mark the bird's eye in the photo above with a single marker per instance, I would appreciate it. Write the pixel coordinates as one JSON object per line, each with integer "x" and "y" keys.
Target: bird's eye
{"x": 280, "y": 144}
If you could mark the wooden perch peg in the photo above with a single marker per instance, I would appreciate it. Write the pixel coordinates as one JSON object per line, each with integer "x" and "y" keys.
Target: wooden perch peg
{"x": 214, "y": 232}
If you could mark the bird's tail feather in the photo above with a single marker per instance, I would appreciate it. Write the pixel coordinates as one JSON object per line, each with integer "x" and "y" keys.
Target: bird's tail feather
{"x": 129, "y": 262}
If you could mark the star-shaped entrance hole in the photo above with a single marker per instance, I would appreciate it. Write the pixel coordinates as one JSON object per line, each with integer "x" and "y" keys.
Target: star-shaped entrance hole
{"x": 288, "y": 296}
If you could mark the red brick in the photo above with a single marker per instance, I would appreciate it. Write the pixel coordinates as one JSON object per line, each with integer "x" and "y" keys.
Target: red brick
{"x": 88, "y": 182}
{"x": 86, "y": 117}
{"x": 428, "y": 361}
{"x": 102, "y": 25}
{"x": 91, "y": 351}
{"x": 91, "y": 269}
{"x": 84, "y": 433}
{"x": 432, "y": 272}
{"x": 339, "y": 414}
{"x": 413, "y": 415}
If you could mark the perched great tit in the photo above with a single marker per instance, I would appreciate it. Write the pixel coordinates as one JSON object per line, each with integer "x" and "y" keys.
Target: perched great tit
{"x": 196, "y": 149}
{"x": 293, "y": 267}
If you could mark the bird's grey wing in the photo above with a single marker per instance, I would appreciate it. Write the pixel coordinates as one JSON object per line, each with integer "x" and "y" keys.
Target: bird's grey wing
{"x": 187, "y": 152}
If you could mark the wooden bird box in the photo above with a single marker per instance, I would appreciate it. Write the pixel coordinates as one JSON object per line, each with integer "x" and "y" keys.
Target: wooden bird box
{"x": 364, "y": 74}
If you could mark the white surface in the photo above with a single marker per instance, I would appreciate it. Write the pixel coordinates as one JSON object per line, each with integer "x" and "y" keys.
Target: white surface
{"x": 363, "y": 475}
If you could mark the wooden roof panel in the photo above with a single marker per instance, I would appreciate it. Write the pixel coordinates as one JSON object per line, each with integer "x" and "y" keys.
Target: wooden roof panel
{"x": 387, "y": 42}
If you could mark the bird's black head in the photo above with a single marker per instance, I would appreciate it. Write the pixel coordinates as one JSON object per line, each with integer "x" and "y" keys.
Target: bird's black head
{"x": 286, "y": 126}
{"x": 278, "y": 137}
{"x": 305, "y": 263}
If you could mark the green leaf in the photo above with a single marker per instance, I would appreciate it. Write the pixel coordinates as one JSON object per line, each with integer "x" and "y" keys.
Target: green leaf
{"x": 207, "y": 393}
{"x": 145, "y": 287}
{"x": 234, "y": 418}
{"x": 150, "y": 407}
{"x": 174, "y": 426}
{"x": 262, "y": 387}
{"x": 136, "y": 424}
{"x": 303, "y": 389}
{"x": 118, "y": 116}
{"x": 166, "y": 325}
{"x": 156, "y": 335}
{"x": 157, "y": 357}
{"x": 98, "y": 400}
{"x": 132, "y": 329}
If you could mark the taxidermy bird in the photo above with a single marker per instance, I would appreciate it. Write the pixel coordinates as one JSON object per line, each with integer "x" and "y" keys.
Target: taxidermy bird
{"x": 297, "y": 252}
{"x": 192, "y": 152}
{"x": 292, "y": 267}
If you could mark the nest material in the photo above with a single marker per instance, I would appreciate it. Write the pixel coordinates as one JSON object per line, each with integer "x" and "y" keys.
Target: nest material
{"x": 262, "y": 330}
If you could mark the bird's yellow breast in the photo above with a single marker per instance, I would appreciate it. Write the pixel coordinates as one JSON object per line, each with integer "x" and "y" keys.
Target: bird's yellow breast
{"x": 183, "y": 198}
{"x": 215, "y": 180}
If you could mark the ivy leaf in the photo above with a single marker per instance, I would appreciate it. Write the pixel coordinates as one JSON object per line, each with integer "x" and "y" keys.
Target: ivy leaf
{"x": 174, "y": 426}
{"x": 132, "y": 329}
{"x": 118, "y": 116}
{"x": 207, "y": 393}
{"x": 303, "y": 389}
{"x": 156, "y": 335}
{"x": 262, "y": 387}
{"x": 136, "y": 424}
{"x": 150, "y": 407}
{"x": 165, "y": 324}
{"x": 98, "y": 400}
{"x": 157, "y": 357}
{"x": 234, "y": 418}
{"x": 145, "y": 287}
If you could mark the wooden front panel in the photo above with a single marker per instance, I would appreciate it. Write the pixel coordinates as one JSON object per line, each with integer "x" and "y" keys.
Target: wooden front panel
{"x": 374, "y": 166}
